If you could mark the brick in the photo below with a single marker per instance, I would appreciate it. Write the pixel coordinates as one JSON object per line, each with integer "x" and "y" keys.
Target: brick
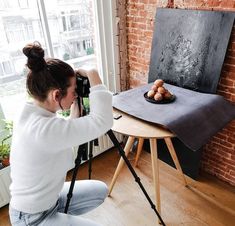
{"x": 148, "y": 34}
{"x": 226, "y": 82}
{"x": 219, "y": 172}
{"x": 220, "y": 146}
{"x": 229, "y": 67}
{"x": 229, "y": 162}
{"x": 232, "y": 173}
{"x": 220, "y": 136}
{"x": 230, "y": 53}
{"x": 230, "y": 178}
{"x": 138, "y": 6}
{"x": 231, "y": 89}
{"x": 227, "y": 4}
{"x": 233, "y": 98}
{"x": 142, "y": 13}
{"x": 233, "y": 157}
{"x": 225, "y": 95}
{"x": 231, "y": 167}
{"x": 231, "y": 46}
{"x": 154, "y": 2}
{"x": 132, "y": 11}
{"x": 224, "y": 154}
{"x": 228, "y": 75}
{"x": 230, "y": 60}
{"x": 231, "y": 140}
{"x": 145, "y": 1}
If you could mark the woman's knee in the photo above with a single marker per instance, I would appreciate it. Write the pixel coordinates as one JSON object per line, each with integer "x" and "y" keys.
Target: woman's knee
{"x": 102, "y": 189}
{"x": 87, "y": 195}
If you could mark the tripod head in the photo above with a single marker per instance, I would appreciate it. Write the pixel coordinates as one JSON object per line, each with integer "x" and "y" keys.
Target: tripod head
{"x": 83, "y": 85}
{"x": 82, "y": 90}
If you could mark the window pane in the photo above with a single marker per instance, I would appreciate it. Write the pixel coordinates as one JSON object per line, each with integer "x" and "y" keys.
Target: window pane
{"x": 7, "y": 67}
{"x": 19, "y": 24}
{"x": 71, "y": 24}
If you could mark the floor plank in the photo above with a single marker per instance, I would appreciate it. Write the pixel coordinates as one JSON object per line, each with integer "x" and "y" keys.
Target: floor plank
{"x": 207, "y": 202}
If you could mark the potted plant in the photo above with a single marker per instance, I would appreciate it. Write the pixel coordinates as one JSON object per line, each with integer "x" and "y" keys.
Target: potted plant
{"x": 5, "y": 144}
{"x": 4, "y": 153}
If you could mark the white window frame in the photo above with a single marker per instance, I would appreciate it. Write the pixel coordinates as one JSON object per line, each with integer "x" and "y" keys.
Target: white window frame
{"x": 45, "y": 27}
{"x": 5, "y": 74}
{"x": 107, "y": 43}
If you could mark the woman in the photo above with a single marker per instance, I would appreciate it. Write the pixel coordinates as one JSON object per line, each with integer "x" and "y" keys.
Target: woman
{"x": 41, "y": 152}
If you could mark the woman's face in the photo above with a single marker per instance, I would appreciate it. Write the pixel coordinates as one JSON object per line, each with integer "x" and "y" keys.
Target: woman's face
{"x": 71, "y": 94}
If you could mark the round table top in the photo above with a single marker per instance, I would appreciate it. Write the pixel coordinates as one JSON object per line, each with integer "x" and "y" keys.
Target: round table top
{"x": 132, "y": 126}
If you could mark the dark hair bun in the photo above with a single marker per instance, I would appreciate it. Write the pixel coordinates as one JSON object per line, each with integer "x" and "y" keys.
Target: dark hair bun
{"x": 35, "y": 54}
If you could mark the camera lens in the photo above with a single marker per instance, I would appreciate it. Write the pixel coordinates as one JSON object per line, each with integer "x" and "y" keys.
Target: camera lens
{"x": 83, "y": 86}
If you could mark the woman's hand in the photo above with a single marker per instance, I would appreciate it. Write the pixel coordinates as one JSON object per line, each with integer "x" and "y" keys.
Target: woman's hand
{"x": 74, "y": 110}
{"x": 91, "y": 74}
{"x": 81, "y": 72}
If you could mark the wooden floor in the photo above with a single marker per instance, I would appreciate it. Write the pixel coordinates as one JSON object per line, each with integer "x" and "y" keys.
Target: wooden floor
{"x": 208, "y": 201}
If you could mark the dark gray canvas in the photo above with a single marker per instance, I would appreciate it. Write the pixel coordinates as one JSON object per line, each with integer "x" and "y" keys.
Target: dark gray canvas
{"x": 189, "y": 47}
{"x": 194, "y": 117}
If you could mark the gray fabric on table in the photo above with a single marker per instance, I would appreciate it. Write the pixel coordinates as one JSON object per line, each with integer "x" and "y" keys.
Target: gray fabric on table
{"x": 194, "y": 117}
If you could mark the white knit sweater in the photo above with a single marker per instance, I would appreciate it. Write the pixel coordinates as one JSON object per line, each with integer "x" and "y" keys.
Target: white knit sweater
{"x": 41, "y": 151}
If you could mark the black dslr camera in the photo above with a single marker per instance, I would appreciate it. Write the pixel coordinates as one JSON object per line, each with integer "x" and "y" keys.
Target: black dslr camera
{"x": 83, "y": 86}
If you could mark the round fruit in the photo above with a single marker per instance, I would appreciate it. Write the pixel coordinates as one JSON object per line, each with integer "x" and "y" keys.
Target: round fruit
{"x": 159, "y": 82}
{"x": 151, "y": 93}
{"x": 158, "y": 97}
{"x": 161, "y": 90}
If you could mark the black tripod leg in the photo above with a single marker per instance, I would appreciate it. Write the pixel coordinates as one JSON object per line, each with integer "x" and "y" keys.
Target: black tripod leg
{"x": 90, "y": 156}
{"x": 77, "y": 164}
{"x": 137, "y": 179}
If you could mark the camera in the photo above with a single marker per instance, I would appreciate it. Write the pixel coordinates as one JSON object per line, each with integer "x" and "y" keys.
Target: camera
{"x": 83, "y": 86}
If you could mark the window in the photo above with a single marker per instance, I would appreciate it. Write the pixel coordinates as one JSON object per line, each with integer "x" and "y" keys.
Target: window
{"x": 70, "y": 26}
{"x": 70, "y": 30}
{"x": 4, "y": 4}
{"x": 7, "y": 67}
{"x": 23, "y": 3}
{"x": 18, "y": 31}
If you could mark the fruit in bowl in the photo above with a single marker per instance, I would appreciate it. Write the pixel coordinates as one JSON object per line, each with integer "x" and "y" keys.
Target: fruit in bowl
{"x": 158, "y": 92}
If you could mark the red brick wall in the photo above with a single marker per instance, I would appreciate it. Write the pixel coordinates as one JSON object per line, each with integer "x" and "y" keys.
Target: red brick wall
{"x": 219, "y": 154}
{"x": 122, "y": 42}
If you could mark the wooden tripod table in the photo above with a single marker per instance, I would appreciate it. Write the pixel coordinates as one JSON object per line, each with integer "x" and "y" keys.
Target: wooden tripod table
{"x": 136, "y": 128}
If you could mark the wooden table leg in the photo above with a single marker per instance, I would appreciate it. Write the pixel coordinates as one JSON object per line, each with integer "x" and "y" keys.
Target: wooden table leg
{"x": 155, "y": 168}
{"x": 139, "y": 149}
{"x": 127, "y": 149}
{"x": 175, "y": 159}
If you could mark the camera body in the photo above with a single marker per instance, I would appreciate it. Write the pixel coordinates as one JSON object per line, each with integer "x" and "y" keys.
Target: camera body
{"x": 83, "y": 86}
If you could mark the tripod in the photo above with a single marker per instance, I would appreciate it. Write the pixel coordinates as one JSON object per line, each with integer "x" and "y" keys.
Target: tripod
{"x": 81, "y": 149}
{"x": 122, "y": 154}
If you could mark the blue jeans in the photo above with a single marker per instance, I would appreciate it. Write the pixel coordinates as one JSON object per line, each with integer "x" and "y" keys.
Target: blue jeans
{"x": 87, "y": 195}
